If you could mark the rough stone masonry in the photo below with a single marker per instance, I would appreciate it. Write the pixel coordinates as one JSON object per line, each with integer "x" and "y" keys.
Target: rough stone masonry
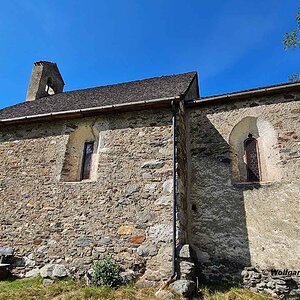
{"x": 227, "y": 227}
{"x": 125, "y": 213}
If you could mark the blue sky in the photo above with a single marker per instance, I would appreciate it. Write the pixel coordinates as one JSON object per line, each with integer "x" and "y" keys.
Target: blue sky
{"x": 233, "y": 44}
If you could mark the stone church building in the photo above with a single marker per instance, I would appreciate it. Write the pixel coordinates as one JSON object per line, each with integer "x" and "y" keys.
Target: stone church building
{"x": 164, "y": 181}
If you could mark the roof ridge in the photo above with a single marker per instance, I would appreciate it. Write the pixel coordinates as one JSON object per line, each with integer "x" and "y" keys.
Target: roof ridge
{"x": 163, "y": 87}
{"x": 128, "y": 82}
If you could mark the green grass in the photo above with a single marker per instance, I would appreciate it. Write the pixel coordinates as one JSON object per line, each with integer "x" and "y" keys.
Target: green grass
{"x": 234, "y": 294}
{"x": 31, "y": 289}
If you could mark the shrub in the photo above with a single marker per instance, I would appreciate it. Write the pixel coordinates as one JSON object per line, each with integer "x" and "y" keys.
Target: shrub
{"x": 107, "y": 272}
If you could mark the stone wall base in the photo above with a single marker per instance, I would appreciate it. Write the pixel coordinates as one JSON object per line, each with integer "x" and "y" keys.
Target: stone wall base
{"x": 271, "y": 282}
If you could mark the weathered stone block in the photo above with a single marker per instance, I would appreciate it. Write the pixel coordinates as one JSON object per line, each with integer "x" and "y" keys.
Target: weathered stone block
{"x": 82, "y": 242}
{"x": 47, "y": 281}
{"x": 153, "y": 164}
{"x": 162, "y": 294}
{"x": 47, "y": 270}
{"x": 125, "y": 230}
{"x": 161, "y": 233}
{"x": 133, "y": 188}
{"x": 138, "y": 239}
{"x": 185, "y": 252}
{"x": 168, "y": 186}
{"x": 6, "y": 251}
{"x": 184, "y": 287}
{"x": 105, "y": 241}
{"x": 147, "y": 250}
{"x": 128, "y": 276}
{"x": 165, "y": 200}
{"x": 32, "y": 273}
{"x": 29, "y": 262}
{"x": 59, "y": 271}
{"x": 42, "y": 249}
{"x": 187, "y": 270}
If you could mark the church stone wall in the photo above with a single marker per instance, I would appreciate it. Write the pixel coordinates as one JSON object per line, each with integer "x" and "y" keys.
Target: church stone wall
{"x": 236, "y": 225}
{"x": 125, "y": 212}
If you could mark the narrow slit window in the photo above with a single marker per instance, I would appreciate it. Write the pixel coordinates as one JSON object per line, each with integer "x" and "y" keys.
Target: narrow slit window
{"x": 87, "y": 160}
{"x": 252, "y": 159}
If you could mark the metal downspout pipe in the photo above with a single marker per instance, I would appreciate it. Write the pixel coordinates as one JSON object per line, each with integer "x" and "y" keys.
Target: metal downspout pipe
{"x": 174, "y": 189}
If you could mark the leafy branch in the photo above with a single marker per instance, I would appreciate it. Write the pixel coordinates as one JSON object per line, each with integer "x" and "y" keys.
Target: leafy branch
{"x": 292, "y": 40}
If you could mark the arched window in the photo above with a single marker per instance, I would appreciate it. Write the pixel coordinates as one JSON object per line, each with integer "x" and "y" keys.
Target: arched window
{"x": 81, "y": 159}
{"x": 253, "y": 151}
{"x": 252, "y": 159}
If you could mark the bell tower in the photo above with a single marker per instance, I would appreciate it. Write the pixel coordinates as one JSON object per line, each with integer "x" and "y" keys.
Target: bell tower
{"x": 45, "y": 80}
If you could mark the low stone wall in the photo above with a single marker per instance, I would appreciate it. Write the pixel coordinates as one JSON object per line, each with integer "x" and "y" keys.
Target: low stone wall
{"x": 275, "y": 282}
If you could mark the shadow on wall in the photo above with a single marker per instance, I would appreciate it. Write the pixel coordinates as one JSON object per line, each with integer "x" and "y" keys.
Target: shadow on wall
{"x": 218, "y": 229}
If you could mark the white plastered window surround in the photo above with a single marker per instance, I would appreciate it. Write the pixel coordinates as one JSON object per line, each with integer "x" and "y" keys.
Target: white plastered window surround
{"x": 268, "y": 154}
{"x": 74, "y": 155}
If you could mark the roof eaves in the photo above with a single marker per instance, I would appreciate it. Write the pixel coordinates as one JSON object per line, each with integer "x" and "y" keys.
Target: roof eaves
{"x": 246, "y": 94}
{"x": 84, "y": 111}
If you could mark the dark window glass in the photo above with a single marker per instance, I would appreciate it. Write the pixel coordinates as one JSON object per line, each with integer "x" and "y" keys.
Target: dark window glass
{"x": 252, "y": 160}
{"x": 87, "y": 160}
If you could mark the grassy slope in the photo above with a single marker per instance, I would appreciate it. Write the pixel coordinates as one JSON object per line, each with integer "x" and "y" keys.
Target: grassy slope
{"x": 235, "y": 294}
{"x": 31, "y": 289}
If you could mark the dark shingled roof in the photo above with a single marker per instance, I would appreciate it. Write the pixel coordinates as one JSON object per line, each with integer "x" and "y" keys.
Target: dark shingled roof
{"x": 129, "y": 92}
{"x": 260, "y": 88}
{"x": 247, "y": 94}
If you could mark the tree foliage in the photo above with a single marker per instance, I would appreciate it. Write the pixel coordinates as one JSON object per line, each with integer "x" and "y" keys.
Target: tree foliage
{"x": 292, "y": 40}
